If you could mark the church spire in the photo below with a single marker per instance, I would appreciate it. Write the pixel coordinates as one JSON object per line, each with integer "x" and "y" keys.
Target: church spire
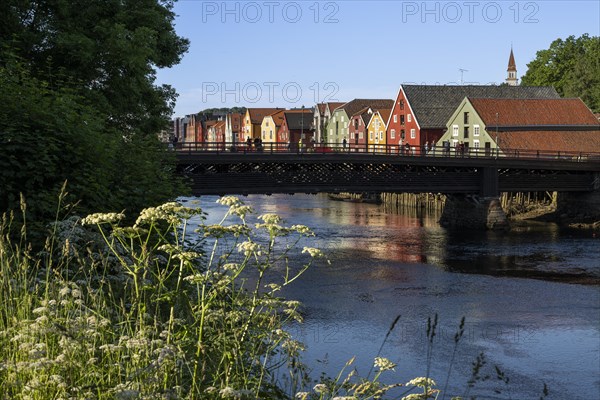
{"x": 511, "y": 77}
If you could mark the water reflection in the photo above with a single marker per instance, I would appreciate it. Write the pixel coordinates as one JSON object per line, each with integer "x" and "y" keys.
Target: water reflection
{"x": 386, "y": 264}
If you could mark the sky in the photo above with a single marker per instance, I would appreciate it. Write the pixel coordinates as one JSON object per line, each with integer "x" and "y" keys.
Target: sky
{"x": 297, "y": 53}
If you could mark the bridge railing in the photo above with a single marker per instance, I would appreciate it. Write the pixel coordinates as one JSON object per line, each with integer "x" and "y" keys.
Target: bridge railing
{"x": 381, "y": 149}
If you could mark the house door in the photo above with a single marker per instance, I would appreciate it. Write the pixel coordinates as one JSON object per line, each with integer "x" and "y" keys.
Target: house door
{"x": 488, "y": 148}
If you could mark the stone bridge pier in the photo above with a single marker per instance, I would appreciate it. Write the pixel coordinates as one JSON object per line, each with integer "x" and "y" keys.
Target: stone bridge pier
{"x": 473, "y": 212}
{"x": 580, "y": 206}
{"x": 482, "y": 211}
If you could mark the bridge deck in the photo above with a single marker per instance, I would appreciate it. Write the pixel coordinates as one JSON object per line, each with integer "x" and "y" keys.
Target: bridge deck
{"x": 214, "y": 172}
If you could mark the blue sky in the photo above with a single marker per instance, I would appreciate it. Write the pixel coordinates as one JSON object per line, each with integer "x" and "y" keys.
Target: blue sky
{"x": 294, "y": 53}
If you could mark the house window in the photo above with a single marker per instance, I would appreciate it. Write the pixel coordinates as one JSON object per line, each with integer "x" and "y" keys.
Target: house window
{"x": 360, "y": 135}
{"x": 267, "y": 123}
{"x": 330, "y": 131}
{"x": 475, "y": 130}
{"x": 466, "y": 118}
{"x": 395, "y": 118}
{"x": 371, "y": 136}
{"x": 402, "y": 119}
{"x": 393, "y": 134}
{"x": 264, "y": 134}
{"x": 466, "y": 132}
{"x": 402, "y": 104}
{"x": 413, "y": 134}
{"x": 408, "y": 118}
{"x": 454, "y": 130}
{"x": 381, "y": 135}
{"x": 271, "y": 135}
{"x": 356, "y": 123}
{"x": 476, "y": 144}
{"x": 402, "y": 134}
{"x": 454, "y": 143}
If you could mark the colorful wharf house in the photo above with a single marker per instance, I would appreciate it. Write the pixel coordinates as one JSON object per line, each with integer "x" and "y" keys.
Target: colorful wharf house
{"x": 297, "y": 124}
{"x": 233, "y": 128}
{"x": 358, "y": 129}
{"x": 421, "y": 112}
{"x": 211, "y": 135}
{"x": 338, "y": 131}
{"x": 269, "y": 127}
{"x": 251, "y": 124}
{"x": 220, "y": 135}
{"x": 322, "y": 114}
{"x": 377, "y": 138}
{"x": 502, "y": 126}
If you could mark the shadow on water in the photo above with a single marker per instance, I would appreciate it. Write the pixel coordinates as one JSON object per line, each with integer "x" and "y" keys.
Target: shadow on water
{"x": 529, "y": 250}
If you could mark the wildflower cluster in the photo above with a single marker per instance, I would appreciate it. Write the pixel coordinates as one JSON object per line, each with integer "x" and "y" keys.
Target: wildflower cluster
{"x": 159, "y": 312}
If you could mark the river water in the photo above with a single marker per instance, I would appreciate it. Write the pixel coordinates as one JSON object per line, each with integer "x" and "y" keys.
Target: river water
{"x": 530, "y": 298}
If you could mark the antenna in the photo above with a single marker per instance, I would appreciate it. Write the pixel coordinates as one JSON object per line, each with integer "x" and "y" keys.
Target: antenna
{"x": 462, "y": 71}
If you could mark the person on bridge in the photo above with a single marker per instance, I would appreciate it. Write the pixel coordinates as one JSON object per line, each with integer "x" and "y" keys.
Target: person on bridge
{"x": 249, "y": 143}
{"x": 344, "y": 144}
{"x": 300, "y": 144}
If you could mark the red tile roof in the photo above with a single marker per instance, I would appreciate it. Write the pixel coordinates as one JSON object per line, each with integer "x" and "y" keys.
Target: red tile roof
{"x": 257, "y": 114}
{"x": 572, "y": 141}
{"x": 533, "y": 112}
{"x": 278, "y": 117}
{"x": 333, "y": 106}
{"x": 385, "y": 114}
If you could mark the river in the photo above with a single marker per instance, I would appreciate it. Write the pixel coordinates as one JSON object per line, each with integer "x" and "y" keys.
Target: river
{"x": 530, "y": 298}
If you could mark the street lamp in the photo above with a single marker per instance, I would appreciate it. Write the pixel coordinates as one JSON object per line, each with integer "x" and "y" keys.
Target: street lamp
{"x": 302, "y": 124}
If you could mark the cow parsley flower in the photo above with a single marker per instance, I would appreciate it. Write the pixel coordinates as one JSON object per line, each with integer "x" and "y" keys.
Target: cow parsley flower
{"x": 384, "y": 364}
{"x": 102, "y": 218}
{"x": 422, "y": 382}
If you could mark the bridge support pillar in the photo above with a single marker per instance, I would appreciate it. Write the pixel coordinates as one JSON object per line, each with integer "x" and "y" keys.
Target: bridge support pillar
{"x": 473, "y": 212}
{"x": 579, "y": 206}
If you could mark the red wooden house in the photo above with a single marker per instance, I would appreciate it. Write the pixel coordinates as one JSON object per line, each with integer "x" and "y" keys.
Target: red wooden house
{"x": 357, "y": 130}
{"x": 296, "y": 124}
{"x": 421, "y": 112}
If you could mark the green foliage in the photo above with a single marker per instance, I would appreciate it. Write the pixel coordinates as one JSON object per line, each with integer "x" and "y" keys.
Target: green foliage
{"x": 49, "y": 136}
{"x": 109, "y": 49}
{"x": 572, "y": 66}
{"x": 144, "y": 315}
{"x": 80, "y": 104}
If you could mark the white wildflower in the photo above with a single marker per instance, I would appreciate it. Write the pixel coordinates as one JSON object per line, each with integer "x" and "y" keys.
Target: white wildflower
{"x": 102, "y": 218}
{"x": 303, "y": 230}
{"x": 40, "y": 310}
{"x": 301, "y": 395}
{"x": 415, "y": 396}
{"x": 64, "y": 292}
{"x": 249, "y": 248}
{"x": 228, "y": 392}
{"x": 384, "y": 364}
{"x": 270, "y": 219}
{"x": 273, "y": 286}
{"x": 229, "y": 201}
{"x": 231, "y": 267}
{"x": 422, "y": 382}
{"x": 320, "y": 388}
{"x": 240, "y": 211}
{"x": 314, "y": 253}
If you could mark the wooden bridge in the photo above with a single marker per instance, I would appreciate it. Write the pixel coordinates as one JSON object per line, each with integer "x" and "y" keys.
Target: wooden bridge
{"x": 218, "y": 169}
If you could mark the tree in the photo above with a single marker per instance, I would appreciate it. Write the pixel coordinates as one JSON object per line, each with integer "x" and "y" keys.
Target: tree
{"x": 572, "y": 66}
{"x": 79, "y": 80}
